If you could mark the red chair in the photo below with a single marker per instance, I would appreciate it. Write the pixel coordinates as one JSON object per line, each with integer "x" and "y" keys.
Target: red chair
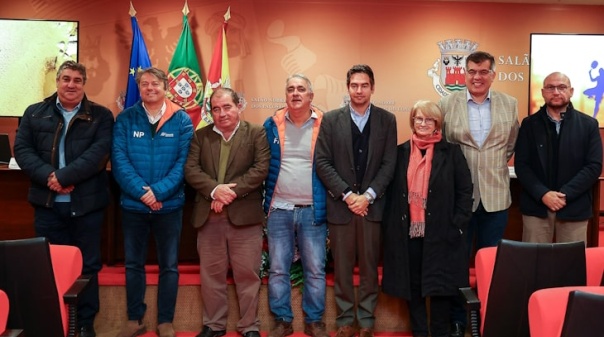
{"x": 548, "y": 307}
{"x": 506, "y": 276}
{"x": 595, "y": 265}
{"x": 583, "y": 315}
{"x": 3, "y": 310}
{"x": 66, "y": 277}
{"x": 43, "y": 283}
{"x": 485, "y": 262}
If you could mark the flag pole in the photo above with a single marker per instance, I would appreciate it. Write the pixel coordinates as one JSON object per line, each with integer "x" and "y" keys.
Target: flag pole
{"x": 132, "y": 12}
{"x": 139, "y": 59}
{"x": 185, "y": 9}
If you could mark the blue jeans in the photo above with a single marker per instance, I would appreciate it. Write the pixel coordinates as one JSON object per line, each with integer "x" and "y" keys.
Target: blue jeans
{"x": 166, "y": 230}
{"x": 285, "y": 229}
{"x": 84, "y": 232}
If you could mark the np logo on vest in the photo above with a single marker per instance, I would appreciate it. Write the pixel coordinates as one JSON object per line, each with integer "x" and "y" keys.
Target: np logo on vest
{"x": 138, "y": 134}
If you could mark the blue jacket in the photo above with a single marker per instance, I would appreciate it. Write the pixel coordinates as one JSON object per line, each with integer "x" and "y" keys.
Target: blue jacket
{"x": 141, "y": 159}
{"x": 275, "y": 133}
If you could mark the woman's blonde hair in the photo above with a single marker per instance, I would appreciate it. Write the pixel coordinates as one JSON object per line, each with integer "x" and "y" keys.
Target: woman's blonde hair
{"x": 429, "y": 109}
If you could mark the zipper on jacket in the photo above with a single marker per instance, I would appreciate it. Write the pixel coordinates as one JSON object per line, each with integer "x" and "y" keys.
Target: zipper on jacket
{"x": 53, "y": 157}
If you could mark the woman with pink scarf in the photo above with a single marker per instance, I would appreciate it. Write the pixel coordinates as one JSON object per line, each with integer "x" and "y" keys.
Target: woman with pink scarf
{"x": 429, "y": 205}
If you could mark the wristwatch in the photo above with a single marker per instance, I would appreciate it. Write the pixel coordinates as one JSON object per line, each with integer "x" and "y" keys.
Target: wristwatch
{"x": 369, "y": 197}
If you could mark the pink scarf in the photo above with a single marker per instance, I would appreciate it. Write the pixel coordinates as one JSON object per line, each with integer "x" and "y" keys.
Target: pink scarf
{"x": 418, "y": 176}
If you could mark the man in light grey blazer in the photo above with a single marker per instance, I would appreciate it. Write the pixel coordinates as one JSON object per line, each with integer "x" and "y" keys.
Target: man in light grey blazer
{"x": 355, "y": 156}
{"x": 485, "y": 123}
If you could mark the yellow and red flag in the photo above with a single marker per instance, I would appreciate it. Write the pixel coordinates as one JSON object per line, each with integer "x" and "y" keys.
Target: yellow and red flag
{"x": 219, "y": 74}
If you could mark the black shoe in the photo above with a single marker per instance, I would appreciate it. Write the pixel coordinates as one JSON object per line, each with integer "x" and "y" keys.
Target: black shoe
{"x": 87, "y": 331}
{"x": 457, "y": 330}
{"x": 208, "y": 332}
{"x": 251, "y": 334}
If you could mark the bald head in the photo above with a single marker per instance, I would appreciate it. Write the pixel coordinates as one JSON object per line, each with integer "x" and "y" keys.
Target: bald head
{"x": 557, "y": 76}
{"x": 557, "y": 92}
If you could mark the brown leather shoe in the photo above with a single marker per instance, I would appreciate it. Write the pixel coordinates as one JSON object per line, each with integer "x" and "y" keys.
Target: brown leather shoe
{"x": 281, "y": 329}
{"x": 345, "y": 331}
{"x": 165, "y": 330}
{"x": 132, "y": 328}
{"x": 366, "y": 332}
{"x": 315, "y": 329}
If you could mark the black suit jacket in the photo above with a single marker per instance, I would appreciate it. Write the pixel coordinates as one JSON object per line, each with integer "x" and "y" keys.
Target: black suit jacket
{"x": 579, "y": 164}
{"x": 335, "y": 161}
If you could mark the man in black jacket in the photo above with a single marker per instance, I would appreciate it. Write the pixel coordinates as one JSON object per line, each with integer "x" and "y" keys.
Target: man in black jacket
{"x": 558, "y": 159}
{"x": 63, "y": 145}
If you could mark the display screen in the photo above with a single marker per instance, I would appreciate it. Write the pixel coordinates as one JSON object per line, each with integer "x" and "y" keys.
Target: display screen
{"x": 581, "y": 58}
{"x": 30, "y": 53}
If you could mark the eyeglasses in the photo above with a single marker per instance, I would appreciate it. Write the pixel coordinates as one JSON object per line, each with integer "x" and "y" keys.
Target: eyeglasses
{"x": 483, "y": 72}
{"x": 552, "y": 88}
{"x": 427, "y": 120}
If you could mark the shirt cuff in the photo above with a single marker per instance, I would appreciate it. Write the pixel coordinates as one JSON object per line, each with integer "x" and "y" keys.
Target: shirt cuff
{"x": 371, "y": 192}
{"x": 212, "y": 193}
{"x": 346, "y": 193}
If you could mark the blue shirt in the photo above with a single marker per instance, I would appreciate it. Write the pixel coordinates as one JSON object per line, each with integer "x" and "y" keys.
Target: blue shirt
{"x": 67, "y": 117}
{"x": 360, "y": 120}
{"x": 479, "y": 115}
{"x": 557, "y": 123}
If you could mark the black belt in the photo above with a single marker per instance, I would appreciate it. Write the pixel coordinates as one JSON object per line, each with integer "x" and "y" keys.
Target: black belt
{"x": 302, "y": 206}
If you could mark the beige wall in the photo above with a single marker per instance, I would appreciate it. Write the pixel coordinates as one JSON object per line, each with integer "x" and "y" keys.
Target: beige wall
{"x": 268, "y": 40}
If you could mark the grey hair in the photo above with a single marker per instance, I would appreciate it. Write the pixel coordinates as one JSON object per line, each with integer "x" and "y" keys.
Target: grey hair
{"x": 302, "y": 77}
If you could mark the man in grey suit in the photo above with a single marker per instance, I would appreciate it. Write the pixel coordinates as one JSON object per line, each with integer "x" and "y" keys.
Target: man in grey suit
{"x": 485, "y": 123}
{"x": 355, "y": 157}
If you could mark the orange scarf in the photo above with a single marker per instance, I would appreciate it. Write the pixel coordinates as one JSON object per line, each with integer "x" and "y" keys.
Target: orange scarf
{"x": 418, "y": 177}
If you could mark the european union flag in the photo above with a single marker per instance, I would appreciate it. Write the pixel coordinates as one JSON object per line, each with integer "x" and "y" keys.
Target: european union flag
{"x": 139, "y": 59}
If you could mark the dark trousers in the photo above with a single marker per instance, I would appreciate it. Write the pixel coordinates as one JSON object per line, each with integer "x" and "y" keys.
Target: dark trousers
{"x": 84, "y": 232}
{"x": 439, "y": 305}
{"x": 166, "y": 228}
{"x": 487, "y": 229}
{"x": 360, "y": 238}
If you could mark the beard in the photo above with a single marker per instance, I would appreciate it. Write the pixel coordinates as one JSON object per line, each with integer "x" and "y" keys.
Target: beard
{"x": 558, "y": 103}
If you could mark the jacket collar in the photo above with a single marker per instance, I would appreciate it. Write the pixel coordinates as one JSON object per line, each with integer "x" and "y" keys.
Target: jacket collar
{"x": 85, "y": 108}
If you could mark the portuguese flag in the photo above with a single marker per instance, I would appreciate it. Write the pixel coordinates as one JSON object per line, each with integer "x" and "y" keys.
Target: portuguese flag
{"x": 184, "y": 77}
